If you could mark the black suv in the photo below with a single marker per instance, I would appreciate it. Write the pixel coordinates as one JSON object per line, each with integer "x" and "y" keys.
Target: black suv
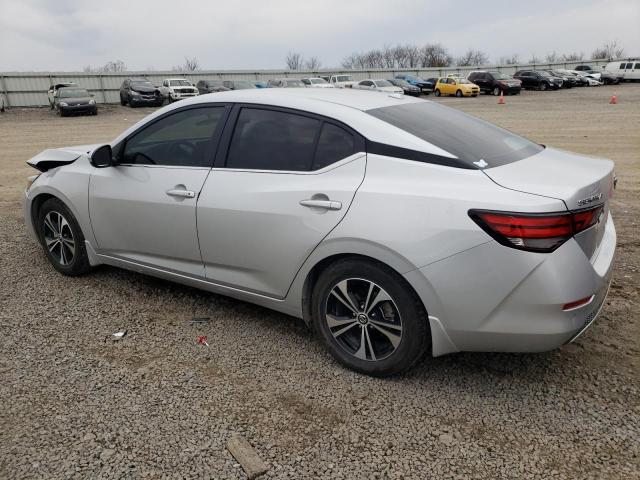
{"x": 538, "y": 79}
{"x": 210, "y": 86}
{"x": 495, "y": 82}
{"x": 140, "y": 91}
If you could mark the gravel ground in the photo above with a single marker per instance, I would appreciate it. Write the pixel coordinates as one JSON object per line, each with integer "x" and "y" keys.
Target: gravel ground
{"x": 76, "y": 404}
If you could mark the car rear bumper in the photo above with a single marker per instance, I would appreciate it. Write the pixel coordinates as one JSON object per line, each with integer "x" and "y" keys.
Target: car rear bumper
{"x": 494, "y": 298}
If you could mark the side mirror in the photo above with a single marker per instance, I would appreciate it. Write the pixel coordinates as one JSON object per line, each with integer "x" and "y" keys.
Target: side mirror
{"x": 102, "y": 157}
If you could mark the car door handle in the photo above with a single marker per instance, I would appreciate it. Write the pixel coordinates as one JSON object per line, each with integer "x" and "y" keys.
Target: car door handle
{"x": 326, "y": 204}
{"x": 181, "y": 193}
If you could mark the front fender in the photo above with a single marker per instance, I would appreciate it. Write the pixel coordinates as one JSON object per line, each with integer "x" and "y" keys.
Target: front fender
{"x": 70, "y": 184}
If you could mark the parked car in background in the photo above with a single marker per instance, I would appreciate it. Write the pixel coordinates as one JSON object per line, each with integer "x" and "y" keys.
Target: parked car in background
{"x": 179, "y": 88}
{"x": 285, "y": 83}
{"x": 379, "y": 86}
{"x": 587, "y": 79}
{"x": 568, "y": 81}
{"x": 538, "y": 79}
{"x": 54, "y": 88}
{"x": 238, "y": 84}
{"x": 316, "y": 82}
{"x": 627, "y": 69}
{"x": 405, "y": 86}
{"x": 261, "y": 84}
{"x": 396, "y": 227}
{"x": 460, "y": 87}
{"x": 426, "y": 86}
{"x": 138, "y": 92}
{"x": 494, "y": 82}
{"x": 603, "y": 75}
{"x": 210, "y": 86}
{"x": 74, "y": 100}
{"x": 342, "y": 81}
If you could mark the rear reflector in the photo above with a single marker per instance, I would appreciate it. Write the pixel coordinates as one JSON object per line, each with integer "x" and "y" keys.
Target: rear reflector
{"x": 535, "y": 232}
{"x": 577, "y": 304}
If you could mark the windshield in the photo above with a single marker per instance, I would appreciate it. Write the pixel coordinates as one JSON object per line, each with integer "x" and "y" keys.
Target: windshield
{"x": 344, "y": 78}
{"x": 242, "y": 85}
{"x": 142, "y": 83}
{"x": 179, "y": 83}
{"x": 317, "y": 81}
{"x": 468, "y": 138}
{"x": 73, "y": 93}
{"x": 543, "y": 73}
{"x": 500, "y": 76}
{"x": 462, "y": 80}
{"x": 382, "y": 83}
{"x": 294, "y": 83}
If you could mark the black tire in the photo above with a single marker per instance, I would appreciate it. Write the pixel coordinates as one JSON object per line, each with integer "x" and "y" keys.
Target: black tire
{"x": 458, "y": 93}
{"x": 404, "y": 310}
{"x": 60, "y": 112}
{"x": 496, "y": 91}
{"x": 78, "y": 264}
{"x": 123, "y": 102}
{"x": 543, "y": 86}
{"x": 437, "y": 92}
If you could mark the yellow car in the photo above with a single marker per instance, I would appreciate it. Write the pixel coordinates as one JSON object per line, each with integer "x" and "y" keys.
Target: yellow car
{"x": 460, "y": 87}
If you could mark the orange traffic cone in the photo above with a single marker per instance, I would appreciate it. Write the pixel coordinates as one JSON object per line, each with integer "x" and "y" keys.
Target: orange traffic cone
{"x": 501, "y": 101}
{"x": 613, "y": 100}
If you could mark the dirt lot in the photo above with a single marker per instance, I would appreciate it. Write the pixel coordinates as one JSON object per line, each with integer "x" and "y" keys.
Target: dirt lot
{"x": 77, "y": 405}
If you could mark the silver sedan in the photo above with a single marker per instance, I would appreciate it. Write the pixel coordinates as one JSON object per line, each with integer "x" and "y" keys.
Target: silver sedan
{"x": 393, "y": 226}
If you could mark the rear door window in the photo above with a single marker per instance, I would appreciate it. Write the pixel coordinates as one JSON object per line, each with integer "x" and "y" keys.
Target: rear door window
{"x": 334, "y": 144}
{"x": 273, "y": 140}
{"x": 473, "y": 141}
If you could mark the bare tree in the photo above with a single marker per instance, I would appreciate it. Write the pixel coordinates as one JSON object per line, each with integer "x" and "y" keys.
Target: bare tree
{"x": 434, "y": 55}
{"x": 313, "y": 63}
{"x": 472, "y": 57}
{"x": 534, "y": 59}
{"x": 109, "y": 67}
{"x": 608, "y": 51}
{"x": 572, "y": 57}
{"x": 509, "y": 60}
{"x": 294, "y": 61}
{"x": 552, "y": 57}
{"x": 190, "y": 65}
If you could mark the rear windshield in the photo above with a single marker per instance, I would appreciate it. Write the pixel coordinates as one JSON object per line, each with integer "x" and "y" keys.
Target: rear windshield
{"x": 468, "y": 138}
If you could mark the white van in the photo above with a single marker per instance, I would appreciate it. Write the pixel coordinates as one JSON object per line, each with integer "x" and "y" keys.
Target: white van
{"x": 629, "y": 69}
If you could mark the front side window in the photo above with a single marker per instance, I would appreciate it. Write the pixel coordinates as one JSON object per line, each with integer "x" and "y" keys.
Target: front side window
{"x": 629, "y": 65}
{"x": 468, "y": 138}
{"x": 272, "y": 140}
{"x": 181, "y": 139}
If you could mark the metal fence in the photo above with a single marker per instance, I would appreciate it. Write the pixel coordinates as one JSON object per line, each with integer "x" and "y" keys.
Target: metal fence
{"x": 29, "y": 89}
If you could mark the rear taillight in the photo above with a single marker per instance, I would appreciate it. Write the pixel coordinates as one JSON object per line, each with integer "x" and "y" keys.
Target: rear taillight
{"x": 535, "y": 232}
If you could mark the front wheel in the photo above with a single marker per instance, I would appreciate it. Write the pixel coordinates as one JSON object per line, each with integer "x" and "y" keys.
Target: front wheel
{"x": 369, "y": 317}
{"x": 62, "y": 239}
{"x": 437, "y": 92}
{"x": 496, "y": 91}
{"x": 458, "y": 93}
{"x": 543, "y": 86}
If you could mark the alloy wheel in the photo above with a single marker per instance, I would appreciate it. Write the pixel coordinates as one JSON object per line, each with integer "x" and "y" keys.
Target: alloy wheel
{"x": 363, "y": 319}
{"x": 58, "y": 238}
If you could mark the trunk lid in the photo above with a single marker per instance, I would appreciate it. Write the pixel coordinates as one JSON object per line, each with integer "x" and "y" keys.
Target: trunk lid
{"x": 580, "y": 182}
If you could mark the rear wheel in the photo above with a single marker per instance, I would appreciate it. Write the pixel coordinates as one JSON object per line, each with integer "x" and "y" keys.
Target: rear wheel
{"x": 543, "y": 86}
{"x": 458, "y": 93}
{"x": 437, "y": 92}
{"x": 369, "y": 317}
{"x": 62, "y": 238}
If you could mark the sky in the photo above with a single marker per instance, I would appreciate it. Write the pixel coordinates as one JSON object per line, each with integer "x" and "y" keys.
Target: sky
{"x": 67, "y": 35}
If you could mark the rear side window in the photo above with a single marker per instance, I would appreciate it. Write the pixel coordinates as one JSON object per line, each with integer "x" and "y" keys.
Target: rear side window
{"x": 629, "y": 65}
{"x": 622, "y": 66}
{"x": 334, "y": 144}
{"x": 474, "y": 142}
{"x": 273, "y": 140}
